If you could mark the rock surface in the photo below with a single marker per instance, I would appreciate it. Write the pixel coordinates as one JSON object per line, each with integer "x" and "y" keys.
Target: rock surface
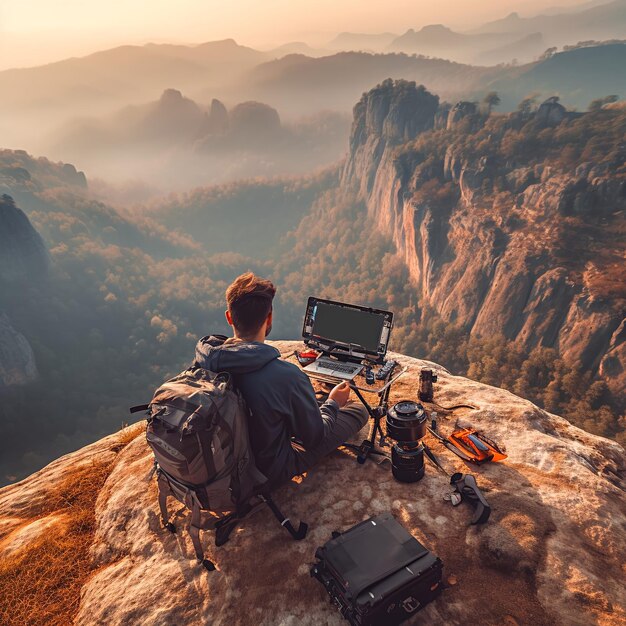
{"x": 551, "y": 112}
{"x": 24, "y": 261}
{"x": 460, "y": 111}
{"x": 17, "y": 361}
{"x": 23, "y": 255}
{"x": 218, "y": 117}
{"x": 172, "y": 118}
{"x": 552, "y": 552}
{"x": 477, "y": 265}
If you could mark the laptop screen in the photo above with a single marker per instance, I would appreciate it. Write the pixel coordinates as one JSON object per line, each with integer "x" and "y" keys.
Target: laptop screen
{"x": 345, "y": 325}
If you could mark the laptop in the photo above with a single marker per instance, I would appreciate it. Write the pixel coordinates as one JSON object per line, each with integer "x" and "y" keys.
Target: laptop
{"x": 346, "y": 335}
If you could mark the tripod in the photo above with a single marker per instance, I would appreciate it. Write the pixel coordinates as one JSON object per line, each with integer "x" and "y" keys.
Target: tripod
{"x": 368, "y": 446}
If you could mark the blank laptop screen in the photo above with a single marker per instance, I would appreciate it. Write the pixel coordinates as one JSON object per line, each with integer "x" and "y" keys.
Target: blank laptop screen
{"x": 345, "y": 325}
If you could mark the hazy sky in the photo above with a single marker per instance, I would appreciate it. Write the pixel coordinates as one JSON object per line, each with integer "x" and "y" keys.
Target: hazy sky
{"x": 38, "y": 31}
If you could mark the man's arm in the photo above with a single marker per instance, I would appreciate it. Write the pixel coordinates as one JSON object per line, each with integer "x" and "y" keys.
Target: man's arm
{"x": 308, "y": 422}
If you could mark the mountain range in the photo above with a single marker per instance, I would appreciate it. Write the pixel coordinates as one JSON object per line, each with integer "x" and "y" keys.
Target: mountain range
{"x": 42, "y": 106}
{"x": 321, "y": 89}
{"x": 573, "y": 75}
{"x": 482, "y": 48}
{"x": 513, "y": 38}
{"x": 604, "y": 21}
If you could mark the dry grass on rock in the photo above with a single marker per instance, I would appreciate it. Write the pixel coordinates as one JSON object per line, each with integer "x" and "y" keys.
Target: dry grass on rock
{"x": 40, "y": 584}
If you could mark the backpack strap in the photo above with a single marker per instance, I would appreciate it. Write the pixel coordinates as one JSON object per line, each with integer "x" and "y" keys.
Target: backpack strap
{"x": 164, "y": 491}
{"x": 194, "y": 532}
{"x": 195, "y": 525}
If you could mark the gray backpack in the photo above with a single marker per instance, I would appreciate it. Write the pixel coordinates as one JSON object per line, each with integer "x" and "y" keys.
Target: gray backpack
{"x": 198, "y": 431}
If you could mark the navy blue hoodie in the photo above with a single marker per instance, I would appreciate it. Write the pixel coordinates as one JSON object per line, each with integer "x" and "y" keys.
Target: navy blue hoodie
{"x": 280, "y": 398}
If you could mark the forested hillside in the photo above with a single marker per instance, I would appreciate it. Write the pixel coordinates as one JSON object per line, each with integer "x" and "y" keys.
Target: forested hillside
{"x": 124, "y": 300}
{"x": 602, "y": 66}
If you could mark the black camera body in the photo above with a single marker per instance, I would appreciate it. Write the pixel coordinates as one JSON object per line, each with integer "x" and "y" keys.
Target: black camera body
{"x": 427, "y": 378}
{"x": 406, "y": 425}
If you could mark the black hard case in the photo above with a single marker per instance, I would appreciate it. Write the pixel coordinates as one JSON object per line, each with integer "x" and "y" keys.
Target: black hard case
{"x": 377, "y": 574}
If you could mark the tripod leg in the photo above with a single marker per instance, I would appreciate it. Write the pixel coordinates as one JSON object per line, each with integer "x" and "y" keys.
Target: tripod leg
{"x": 364, "y": 402}
{"x": 284, "y": 521}
{"x": 364, "y": 451}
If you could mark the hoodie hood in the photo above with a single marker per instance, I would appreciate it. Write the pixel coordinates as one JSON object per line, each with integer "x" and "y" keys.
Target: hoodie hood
{"x": 219, "y": 354}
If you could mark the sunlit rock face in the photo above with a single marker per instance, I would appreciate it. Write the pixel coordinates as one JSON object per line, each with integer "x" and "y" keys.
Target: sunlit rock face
{"x": 515, "y": 268}
{"x": 460, "y": 111}
{"x": 551, "y": 553}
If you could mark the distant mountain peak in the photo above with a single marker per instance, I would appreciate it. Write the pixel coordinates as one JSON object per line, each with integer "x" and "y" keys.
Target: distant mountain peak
{"x": 230, "y": 42}
{"x": 171, "y": 95}
{"x": 435, "y": 28}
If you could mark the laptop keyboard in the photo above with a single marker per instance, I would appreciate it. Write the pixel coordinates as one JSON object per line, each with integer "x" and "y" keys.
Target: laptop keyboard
{"x": 338, "y": 367}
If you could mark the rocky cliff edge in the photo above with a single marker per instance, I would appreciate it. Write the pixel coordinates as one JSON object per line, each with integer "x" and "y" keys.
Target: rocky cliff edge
{"x": 81, "y": 539}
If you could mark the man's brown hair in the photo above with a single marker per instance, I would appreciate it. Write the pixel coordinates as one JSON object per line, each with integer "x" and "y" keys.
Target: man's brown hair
{"x": 249, "y": 301}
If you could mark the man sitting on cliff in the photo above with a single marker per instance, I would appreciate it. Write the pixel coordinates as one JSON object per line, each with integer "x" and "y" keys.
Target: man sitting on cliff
{"x": 279, "y": 395}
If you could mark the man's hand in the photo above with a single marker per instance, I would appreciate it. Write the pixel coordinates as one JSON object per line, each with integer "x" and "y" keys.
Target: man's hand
{"x": 340, "y": 394}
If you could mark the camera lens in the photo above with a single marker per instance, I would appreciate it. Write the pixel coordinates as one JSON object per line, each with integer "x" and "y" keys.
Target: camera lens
{"x": 407, "y": 462}
{"x": 406, "y": 421}
{"x": 406, "y": 424}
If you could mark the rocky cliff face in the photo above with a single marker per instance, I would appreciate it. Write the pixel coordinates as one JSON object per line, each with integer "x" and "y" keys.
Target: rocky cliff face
{"x": 498, "y": 243}
{"x": 23, "y": 255}
{"x": 23, "y": 261}
{"x": 17, "y": 361}
{"x": 81, "y": 542}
